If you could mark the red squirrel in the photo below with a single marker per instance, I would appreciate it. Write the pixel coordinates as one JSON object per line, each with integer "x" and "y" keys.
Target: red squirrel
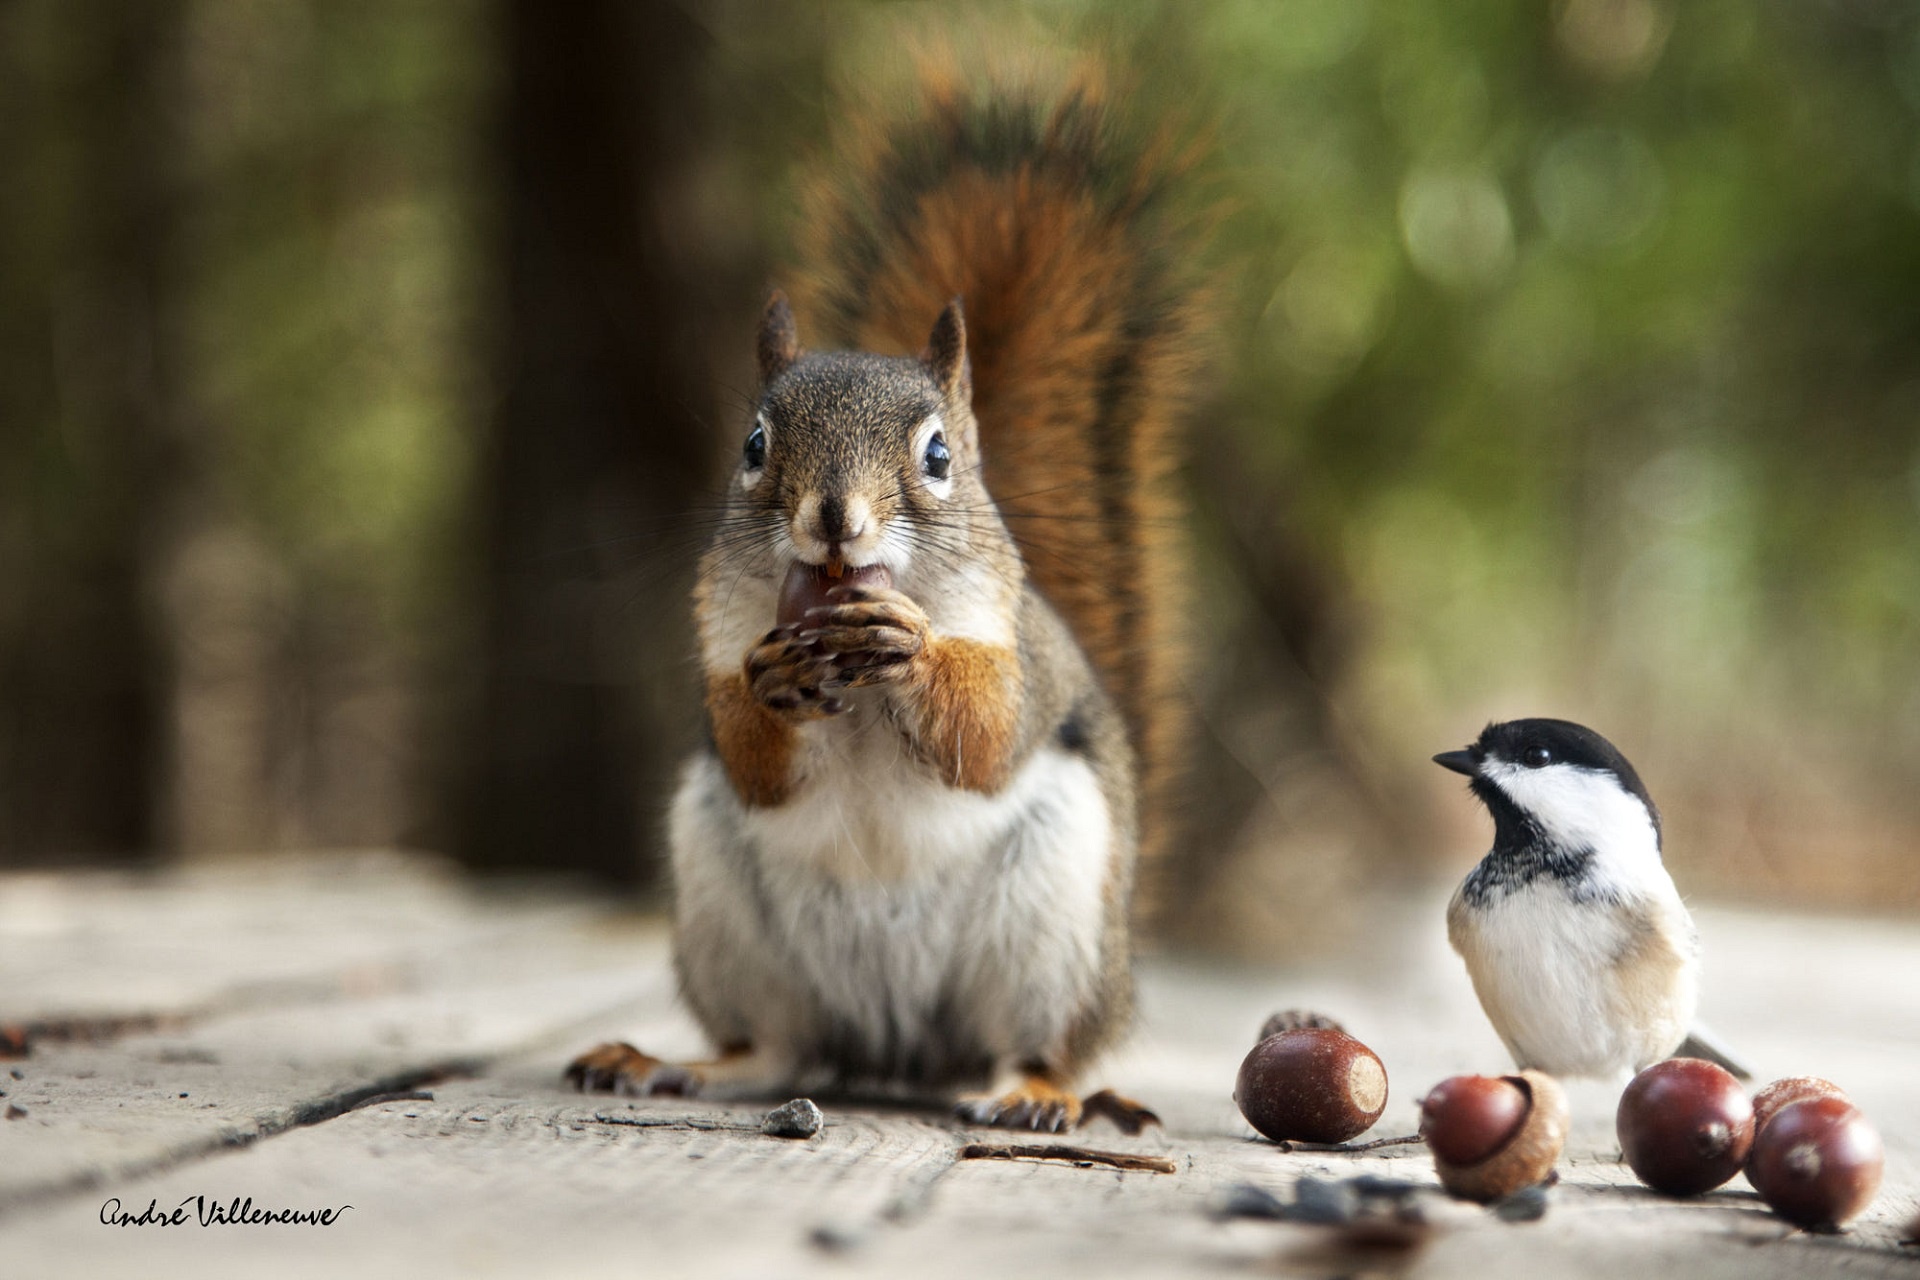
{"x": 937, "y": 624}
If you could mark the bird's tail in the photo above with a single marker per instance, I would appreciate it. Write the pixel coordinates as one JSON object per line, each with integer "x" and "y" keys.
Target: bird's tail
{"x": 1703, "y": 1043}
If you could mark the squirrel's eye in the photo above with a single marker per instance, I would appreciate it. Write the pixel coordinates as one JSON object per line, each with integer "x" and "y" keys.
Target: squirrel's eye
{"x": 937, "y": 460}
{"x": 755, "y": 455}
{"x": 1536, "y": 757}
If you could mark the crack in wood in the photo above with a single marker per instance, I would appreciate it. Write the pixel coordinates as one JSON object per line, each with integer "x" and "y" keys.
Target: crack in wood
{"x": 18, "y": 1036}
{"x": 298, "y": 1116}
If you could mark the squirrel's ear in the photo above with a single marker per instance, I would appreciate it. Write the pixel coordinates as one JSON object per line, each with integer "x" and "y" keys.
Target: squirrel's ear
{"x": 946, "y": 354}
{"x": 779, "y": 339}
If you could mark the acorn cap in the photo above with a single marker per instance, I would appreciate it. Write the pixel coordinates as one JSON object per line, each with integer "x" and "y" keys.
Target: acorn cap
{"x": 1528, "y": 1157}
{"x": 1789, "y": 1090}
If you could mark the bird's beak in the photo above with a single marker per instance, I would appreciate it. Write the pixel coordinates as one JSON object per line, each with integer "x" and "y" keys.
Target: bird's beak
{"x": 1458, "y": 761}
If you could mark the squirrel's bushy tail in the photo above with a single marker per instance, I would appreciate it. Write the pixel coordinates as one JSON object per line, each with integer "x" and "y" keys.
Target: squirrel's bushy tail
{"x": 1060, "y": 232}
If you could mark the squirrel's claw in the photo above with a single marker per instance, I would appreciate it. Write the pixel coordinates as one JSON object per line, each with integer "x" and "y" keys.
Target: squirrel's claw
{"x": 1128, "y": 1116}
{"x": 1035, "y": 1103}
{"x": 789, "y": 673}
{"x": 869, "y": 640}
{"x": 617, "y": 1067}
{"x": 855, "y": 642}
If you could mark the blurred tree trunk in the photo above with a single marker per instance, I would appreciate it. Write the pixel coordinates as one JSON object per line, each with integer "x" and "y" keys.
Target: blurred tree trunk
{"x": 1286, "y": 814}
{"x": 87, "y": 463}
{"x": 599, "y": 445}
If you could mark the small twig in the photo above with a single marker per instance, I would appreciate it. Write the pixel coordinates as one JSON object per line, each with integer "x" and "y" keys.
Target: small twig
{"x": 683, "y": 1122}
{"x": 1351, "y": 1147}
{"x": 1071, "y": 1154}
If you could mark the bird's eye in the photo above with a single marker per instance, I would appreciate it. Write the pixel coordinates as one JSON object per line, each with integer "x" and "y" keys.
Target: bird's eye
{"x": 1536, "y": 757}
{"x": 937, "y": 460}
{"x": 755, "y": 454}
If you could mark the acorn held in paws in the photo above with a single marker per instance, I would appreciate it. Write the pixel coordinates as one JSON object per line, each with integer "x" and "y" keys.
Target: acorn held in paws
{"x": 1311, "y": 1084}
{"x": 806, "y": 586}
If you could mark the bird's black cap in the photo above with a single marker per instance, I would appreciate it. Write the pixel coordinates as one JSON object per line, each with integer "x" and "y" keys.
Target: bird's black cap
{"x": 1537, "y": 743}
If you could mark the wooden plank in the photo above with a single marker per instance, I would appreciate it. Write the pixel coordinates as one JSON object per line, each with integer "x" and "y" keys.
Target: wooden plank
{"x": 284, "y": 1000}
{"x": 508, "y": 1172}
{"x": 507, "y": 1176}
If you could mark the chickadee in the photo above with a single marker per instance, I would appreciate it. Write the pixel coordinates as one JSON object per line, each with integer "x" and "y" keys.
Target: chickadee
{"x": 1579, "y": 947}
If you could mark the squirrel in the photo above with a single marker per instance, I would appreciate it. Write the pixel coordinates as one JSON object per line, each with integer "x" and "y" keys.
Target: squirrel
{"x": 938, "y": 625}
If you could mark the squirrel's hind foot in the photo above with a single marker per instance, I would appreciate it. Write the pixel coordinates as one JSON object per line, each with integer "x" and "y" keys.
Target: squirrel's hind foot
{"x": 1128, "y": 1116}
{"x": 618, "y": 1067}
{"x": 1039, "y": 1103}
{"x": 1035, "y": 1103}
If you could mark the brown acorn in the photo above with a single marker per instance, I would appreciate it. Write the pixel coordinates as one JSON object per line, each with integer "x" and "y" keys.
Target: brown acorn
{"x": 806, "y": 586}
{"x": 1494, "y": 1135}
{"x": 1817, "y": 1163}
{"x": 1685, "y": 1126}
{"x": 1311, "y": 1084}
{"x": 1465, "y": 1119}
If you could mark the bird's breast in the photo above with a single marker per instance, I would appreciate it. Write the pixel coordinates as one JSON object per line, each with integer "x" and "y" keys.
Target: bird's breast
{"x": 1549, "y": 972}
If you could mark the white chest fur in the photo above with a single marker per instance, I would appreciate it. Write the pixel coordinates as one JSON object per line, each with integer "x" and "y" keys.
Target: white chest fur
{"x": 920, "y": 919}
{"x": 864, "y": 811}
{"x": 1566, "y": 984}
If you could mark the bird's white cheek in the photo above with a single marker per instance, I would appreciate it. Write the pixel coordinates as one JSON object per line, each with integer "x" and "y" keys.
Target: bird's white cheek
{"x": 1581, "y": 809}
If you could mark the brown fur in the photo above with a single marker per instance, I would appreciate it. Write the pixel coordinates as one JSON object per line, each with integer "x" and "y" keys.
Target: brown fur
{"x": 966, "y": 699}
{"x": 1084, "y": 349}
{"x": 754, "y": 743}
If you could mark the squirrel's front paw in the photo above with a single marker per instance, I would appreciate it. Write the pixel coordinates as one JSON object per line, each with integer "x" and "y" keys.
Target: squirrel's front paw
{"x": 620, "y": 1068}
{"x": 870, "y": 635}
{"x": 790, "y": 674}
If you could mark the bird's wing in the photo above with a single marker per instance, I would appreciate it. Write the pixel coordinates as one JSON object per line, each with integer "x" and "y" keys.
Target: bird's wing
{"x": 1457, "y": 920}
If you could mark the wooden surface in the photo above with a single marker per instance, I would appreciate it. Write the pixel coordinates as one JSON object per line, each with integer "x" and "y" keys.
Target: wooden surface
{"x": 275, "y": 1034}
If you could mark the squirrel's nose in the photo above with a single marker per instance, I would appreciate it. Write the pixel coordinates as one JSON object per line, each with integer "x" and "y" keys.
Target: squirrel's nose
{"x": 833, "y": 518}
{"x": 842, "y": 519}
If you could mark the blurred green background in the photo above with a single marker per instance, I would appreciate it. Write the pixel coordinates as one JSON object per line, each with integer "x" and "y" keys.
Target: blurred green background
{"x": 361, "y": 365}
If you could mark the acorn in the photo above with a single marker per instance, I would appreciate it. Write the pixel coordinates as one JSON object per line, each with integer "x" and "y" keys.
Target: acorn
{"x": 1494, "y": 1135}
{"x": 806, "y": 586}
{"x": 1465, "y": 1119}
{"x": 1817, "y": 1163}
{"x": 1789, "y": 1090}
{"x": 1311, "y": 1084}
{"x": 1685, "y": 1126}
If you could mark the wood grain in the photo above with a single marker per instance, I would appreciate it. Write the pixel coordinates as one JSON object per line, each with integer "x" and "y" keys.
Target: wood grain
{"x": 380, "y": 1038}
